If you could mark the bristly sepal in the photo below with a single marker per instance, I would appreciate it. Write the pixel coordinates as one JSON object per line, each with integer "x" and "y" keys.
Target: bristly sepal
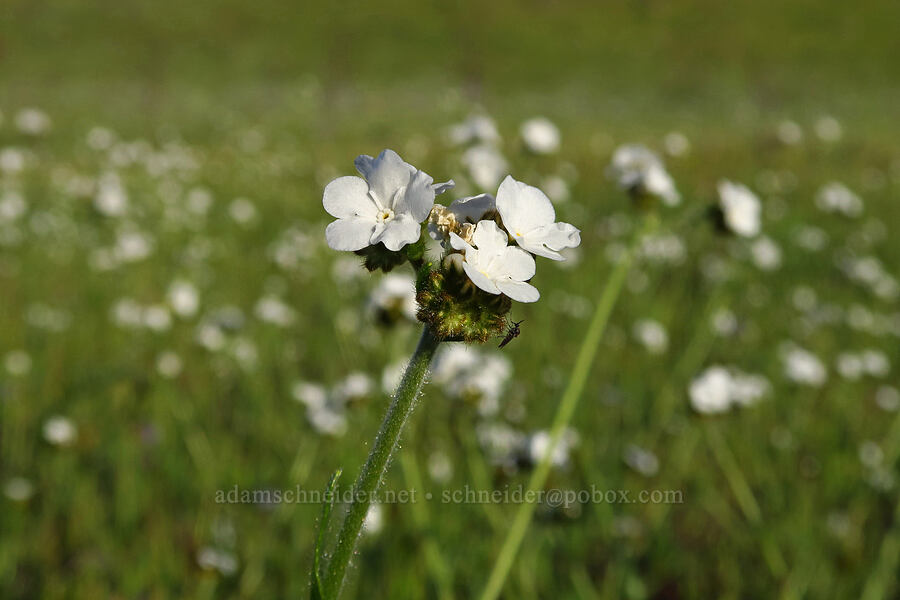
{"x": 378, "y": 257}
{"x": 456, "y": 310}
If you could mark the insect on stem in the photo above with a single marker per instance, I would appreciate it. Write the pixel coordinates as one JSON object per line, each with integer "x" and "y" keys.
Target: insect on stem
{"x": 512, "y": 333}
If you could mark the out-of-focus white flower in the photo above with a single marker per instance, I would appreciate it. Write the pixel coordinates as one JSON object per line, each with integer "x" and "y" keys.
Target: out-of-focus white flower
{"x": 476, "y": 128}
{"x": 323, "y": 411}
{"x": 811, "y": 238}
{"x": 538, "y": 444}
{"x": 747, "y": 389}
{"x": 465, "y": 372}
{"x": 111, "y": 198}
{"x": 210, "y": 336}
{"x": 32, "y": 121}
{"x": 766, "y": 253}
{"x": 870, "y": 454}
{"x": 643, "y": 461}
{"x": 354, "y": 386}
{"x": 440, "y": 468}
{"x": 386, "y": 205}
{"x": 640, "y": 171}
{"x": 828, "y": 129}
{"x": 13, "y": 160}
{"x": 665, "y": 248}
{"x": 156, "y": 317}
{"x": 540, "y": 135}
{"x": 710, "y": 393}
{"x": 216, "y": 559}
{"x": 875, "y": 362}
{"x": 391, "y": 376}
{"x": 12, "y": 206}
{"x": 168, "y": 364}
{"x": 848, "y": 365}
{"x": 272, "y": 309}
{"x": 496, "y": 267}
{"x": 676, "y": 144}
{"x": 126, "y": 312}
{"x": 529, "y": 218}
{"x": 888, "y": 398}
{"x": 132, "y": 246}
{"x": 802, "y": 366}
{"x": 789, "y": 132}
{"x": 18, "y": 489}
{"x": 556, "y": 188}
{"x": 652, "y": 335}
{"x": 740, "y": 208}
{"x": 835, "y": 197}
{"x": 500, "y": 442}
{"x": 17, "y": 362}
{"x": 374, "y": 520}
{"x": 60, "y": 431}
{"x": 869, "y": 271}
{"x": 100, "y": 138}
{"x": 395, "y": 293}
{"x": 719, "y": 388}
{"x": 199, "y": 200}
{"x": 724, "y": 322}
{"x": 485, "y": 164}
{"x": 184, "y": 298}
{"x": 242, "y": 211}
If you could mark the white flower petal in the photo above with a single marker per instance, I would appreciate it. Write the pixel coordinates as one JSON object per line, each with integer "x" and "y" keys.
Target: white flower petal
{"x": 473, "y": 208}
{"x": 519, "y": 291}
{"x": 489, "y": 238}
{"x": 440, "y": 188}
{"x": 418, "y": 197}
{"x": 397, "y": 233}
{"x": 523, "y": 207}
{"x": 457, "y": 243}
{"x": 386, "y": 174}
{"x": 349, "y": 234}
{"x": 545, "y": 240}
{"x": 480, "y": 279}
{"x": 517, "y": 263}
{"x": 348, "y": 197}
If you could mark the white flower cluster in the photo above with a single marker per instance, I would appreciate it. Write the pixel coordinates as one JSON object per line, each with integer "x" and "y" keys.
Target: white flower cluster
{"x": 386, "y": 205}
{"x": 326, "y": 409}
{"x": 466, "y": 373}
{"x": 638, "y": 170}
{"x": 392, "y": 199}
{"x": 740, "y": 208}
{"x": 719, "y": 388}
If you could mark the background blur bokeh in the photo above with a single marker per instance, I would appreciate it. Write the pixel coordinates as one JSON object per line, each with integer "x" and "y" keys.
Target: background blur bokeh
{"x": 172, "y": 323}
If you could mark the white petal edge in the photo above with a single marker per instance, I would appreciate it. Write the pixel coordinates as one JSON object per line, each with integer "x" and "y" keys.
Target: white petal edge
{"x": 397, "y": 233}
{"x": 481, "y": 280}
{"x": 519, "y": 291}
{"x": 523, "y": 207}
{"x": 349, "y": 234}
{"x": 348, "y": 197}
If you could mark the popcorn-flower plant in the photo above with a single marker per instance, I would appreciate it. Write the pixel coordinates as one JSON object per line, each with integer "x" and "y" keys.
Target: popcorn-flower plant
{"x": 487, "y": 261}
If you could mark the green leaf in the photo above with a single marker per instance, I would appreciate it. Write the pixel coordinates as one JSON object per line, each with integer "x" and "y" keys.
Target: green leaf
{"x": 316, "y": 590}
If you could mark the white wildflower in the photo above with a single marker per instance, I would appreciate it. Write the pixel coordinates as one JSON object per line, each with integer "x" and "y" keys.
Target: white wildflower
{"x": 740, "y": 208}
{"x": 529, "y": 218}
{"x": 59, "y": 431}
{"x": 386, "y": 205}
{"x": 496, "y": 267}
{"x": 540, "y": 135}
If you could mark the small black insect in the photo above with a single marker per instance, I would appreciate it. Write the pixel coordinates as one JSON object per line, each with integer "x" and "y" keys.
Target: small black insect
{"x": 512, "y": 333}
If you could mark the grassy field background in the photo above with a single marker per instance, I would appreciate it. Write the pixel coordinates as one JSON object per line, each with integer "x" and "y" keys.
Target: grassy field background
{"x": 270, "y": 100}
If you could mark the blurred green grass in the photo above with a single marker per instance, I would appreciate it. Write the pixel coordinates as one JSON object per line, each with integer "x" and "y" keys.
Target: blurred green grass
{"x": 125, "y": 512}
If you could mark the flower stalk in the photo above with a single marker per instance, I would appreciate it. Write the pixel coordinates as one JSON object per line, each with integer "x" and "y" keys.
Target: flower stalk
{"x": 373, "y": 470}
{"x": 565, "y": 411}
